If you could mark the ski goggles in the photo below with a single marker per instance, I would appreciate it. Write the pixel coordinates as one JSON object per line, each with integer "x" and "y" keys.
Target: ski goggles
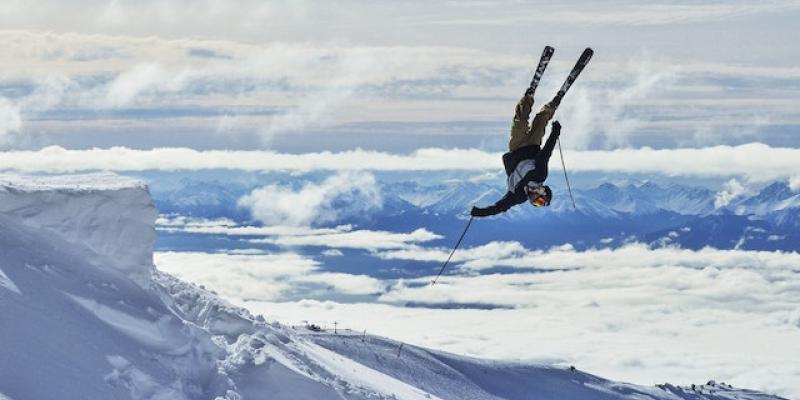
{"x": 539, "y": 201}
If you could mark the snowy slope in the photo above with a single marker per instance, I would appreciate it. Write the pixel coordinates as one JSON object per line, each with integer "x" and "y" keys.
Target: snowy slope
{"x": 85, "y": 315}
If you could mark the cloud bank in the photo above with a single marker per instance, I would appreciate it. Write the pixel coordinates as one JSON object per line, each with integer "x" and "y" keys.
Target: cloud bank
{"x": 339, "y": 237}
{"x": 264, "y": 276}
{"x": 645, "y": 315}
{"x": 755, "y": 160}
{"x": 66, "y": 85}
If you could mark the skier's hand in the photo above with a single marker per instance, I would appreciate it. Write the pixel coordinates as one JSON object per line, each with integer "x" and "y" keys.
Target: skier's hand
{"x": 480, "y": 212}
{"x": 556, "y": 128}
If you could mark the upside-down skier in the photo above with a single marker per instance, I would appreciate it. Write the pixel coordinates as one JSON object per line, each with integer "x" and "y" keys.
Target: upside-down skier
{"x": 525, "y": 162}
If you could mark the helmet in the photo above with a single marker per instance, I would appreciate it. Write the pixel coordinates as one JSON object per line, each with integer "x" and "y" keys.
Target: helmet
{"x": 539, "y": 195}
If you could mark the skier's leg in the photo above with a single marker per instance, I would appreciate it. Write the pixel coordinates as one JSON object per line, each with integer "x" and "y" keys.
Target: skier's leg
{"x": 540, "y": 121}
{"x": 519, "y": 128}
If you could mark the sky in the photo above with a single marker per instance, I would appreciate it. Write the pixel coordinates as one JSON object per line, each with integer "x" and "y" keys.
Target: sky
{"x": 299, "y": 76}
{"x": 348, "y": 89}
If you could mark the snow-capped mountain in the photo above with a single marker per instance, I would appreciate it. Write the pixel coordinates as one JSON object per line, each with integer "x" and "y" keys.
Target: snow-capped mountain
{"x": 86, "y": 315}
{"x": 777, "y": 196}
{"x": 661, "y": 214}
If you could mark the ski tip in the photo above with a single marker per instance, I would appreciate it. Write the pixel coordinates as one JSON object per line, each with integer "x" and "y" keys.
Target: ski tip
{"x": 588, "y": 50}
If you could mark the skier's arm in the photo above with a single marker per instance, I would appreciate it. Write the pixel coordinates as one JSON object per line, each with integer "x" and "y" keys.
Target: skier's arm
{"x": 543, "y": 158}
{"x": 502, "y": 205}
{"x": 547, "y": 150}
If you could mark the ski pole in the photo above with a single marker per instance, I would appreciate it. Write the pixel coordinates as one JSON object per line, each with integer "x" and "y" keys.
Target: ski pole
{"x": 566, "y": 178}
{"x": 433, "y": 282}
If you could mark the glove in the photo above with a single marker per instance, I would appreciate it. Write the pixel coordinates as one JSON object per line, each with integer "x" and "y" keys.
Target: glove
{"x": 481, "y": 212}
{"x": 556, "y": 128}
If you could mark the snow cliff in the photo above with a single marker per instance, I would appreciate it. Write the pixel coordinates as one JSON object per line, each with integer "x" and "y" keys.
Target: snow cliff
{"x": 85, "y": 315}
{"x": 110, "y": 215}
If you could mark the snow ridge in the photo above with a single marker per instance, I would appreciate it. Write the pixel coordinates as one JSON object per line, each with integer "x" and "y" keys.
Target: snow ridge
{"x": 111, "y": 216}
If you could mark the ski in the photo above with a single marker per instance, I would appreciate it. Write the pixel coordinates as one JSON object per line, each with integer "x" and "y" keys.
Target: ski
{"x": 576, "y": 70}
{"x": 537, "y": 76}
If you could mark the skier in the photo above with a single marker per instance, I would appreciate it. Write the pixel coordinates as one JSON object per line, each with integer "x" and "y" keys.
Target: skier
{"x": 525, "y": 162}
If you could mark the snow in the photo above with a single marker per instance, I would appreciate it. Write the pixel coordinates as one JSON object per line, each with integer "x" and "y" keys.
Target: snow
{"x": 85, "y": 315}
{"x": 110, "y": 215}
{"x": 7, "y": 283}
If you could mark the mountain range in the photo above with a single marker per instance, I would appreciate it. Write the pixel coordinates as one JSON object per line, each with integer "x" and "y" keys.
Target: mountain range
{"x": 606, "y": 215}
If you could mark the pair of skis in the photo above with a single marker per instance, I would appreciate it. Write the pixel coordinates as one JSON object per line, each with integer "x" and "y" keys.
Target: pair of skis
{"x": 573, "y": 75}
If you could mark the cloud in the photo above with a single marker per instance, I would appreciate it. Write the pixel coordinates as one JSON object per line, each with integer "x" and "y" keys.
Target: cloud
{"x": 347, "y": 194}
{"x": 360, "y": 239}
{"x": 312, "y": 85}
{"x": 634, "y": 14}
{"x": 229, "y": 227}
{"x": 124, "y": 89}
{"x": 513, "y": 254}
{"x": 633, "y": 313}
{"x": 45, "y": 93}
{"x": 488, "y": 255}
{"x": 10, "y": 120}
{"x": 339, "y": 237}
{"x": 731, "y": 190}
{"x": 263, "y": 276}
{"x": 757, "y": 161}
{"x": 604, "y": 115}
{"x": 794, "y": 184}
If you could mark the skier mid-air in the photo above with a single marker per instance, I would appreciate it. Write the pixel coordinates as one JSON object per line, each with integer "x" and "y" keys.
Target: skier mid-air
{"x": 526, "y": 162}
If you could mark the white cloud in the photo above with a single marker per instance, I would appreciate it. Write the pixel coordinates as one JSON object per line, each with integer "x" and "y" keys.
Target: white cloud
{"x": 513, "y": 254}
{"x": 338, "y": 196}
{"x": 263, "y": 276}
{"x": 360, "y": 239}
{"x": 290, "y": 19}
{"x": 631, "y": 313}
{"x": 10, "y": 120}
{"x": 230, "y": 228}
{"x": 124, "y": 89}
{"x": 794, "y": 184}
{"x": 48, "y": 92}
{"x": 593, "y": 115}
{"x": 314, "y": 84}
{"x": 636, "y": 14}
{"x": 342, "y": 236}
{"x": 731, "y": 190}
{"x": 755, "y": 160}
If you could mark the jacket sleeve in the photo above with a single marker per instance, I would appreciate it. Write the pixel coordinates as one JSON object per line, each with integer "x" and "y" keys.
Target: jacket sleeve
{"x": 543, "y": 158}
{"x": 509, "y": 200}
